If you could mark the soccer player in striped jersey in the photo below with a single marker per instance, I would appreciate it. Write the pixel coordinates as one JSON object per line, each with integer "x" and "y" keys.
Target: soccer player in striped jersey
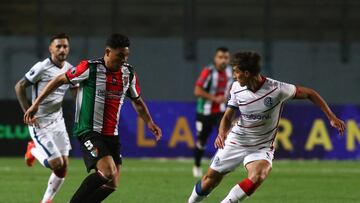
{"x": 211, "y": 88}
{"x": 104, "y": 83}
{"x": 251, "y": 141}
{"x": 50, "y": 145}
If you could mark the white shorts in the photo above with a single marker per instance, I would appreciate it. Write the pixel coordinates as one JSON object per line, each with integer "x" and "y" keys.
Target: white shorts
{"x": 53, "y": 140}
{"x": 229, "y": 158}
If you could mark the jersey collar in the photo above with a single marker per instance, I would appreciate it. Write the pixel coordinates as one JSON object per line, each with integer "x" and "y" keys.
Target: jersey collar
{"x": 263, "y": 80}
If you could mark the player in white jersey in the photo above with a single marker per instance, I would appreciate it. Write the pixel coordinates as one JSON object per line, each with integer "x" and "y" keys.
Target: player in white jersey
{"x": 50, "y": 145}
{"x": 250, "y": 140}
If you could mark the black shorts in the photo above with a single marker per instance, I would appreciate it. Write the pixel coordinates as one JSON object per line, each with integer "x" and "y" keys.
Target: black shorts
{"x": 205, "y": 124}
{"x": 95, "y": 146}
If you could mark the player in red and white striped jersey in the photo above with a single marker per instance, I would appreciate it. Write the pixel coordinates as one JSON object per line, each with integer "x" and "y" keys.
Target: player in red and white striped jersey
{"x": 104, "y": 83}
{"x": 250, "y": 141}
{"x": 211, "y": 88}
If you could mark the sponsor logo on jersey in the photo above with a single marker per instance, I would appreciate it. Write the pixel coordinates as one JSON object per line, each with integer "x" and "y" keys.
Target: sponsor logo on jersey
{"x": 256, "y": 116}
{"x": 268, "y": 101}
{"x": 110, "y": 94}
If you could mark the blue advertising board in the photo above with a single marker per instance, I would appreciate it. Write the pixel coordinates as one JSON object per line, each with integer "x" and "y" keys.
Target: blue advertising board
{"x": 304, "y": 132}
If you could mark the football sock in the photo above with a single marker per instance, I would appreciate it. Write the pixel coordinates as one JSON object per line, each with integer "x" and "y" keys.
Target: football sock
{"x": 54, "y": 185}
{"x": 198, "y": 154}
{"x": 240, "y": 191}
{"x": 40, "y": 156}
{"x": 197, "y": 194}
{"x": 88, "y": 186}
{"x": 100, "y": 194}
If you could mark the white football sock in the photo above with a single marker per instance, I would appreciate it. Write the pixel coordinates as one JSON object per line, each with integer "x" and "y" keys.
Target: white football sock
{"x": 195, "y": 198}
{"x": 39, "y": 155}
{"x": 53, "y": 187}
{"x": 236, "y": 194}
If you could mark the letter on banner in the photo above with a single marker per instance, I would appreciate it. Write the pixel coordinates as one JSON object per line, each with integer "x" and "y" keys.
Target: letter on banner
{"x": 318, "y": 136}
{"x": 181, "y": 133}
{"x": 353, "y": 133}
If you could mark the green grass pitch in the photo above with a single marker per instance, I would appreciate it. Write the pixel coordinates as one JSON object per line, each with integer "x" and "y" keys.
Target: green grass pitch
{"x": 171, "y": 181}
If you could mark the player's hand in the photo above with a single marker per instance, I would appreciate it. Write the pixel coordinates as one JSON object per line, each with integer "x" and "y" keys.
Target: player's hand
{"x": 29, "y": 116}
{"x": 338, "y": 124}
{"x": 219, "y": 99}
{"x": 220, "y": 142}
{"x": 156, "y": 131}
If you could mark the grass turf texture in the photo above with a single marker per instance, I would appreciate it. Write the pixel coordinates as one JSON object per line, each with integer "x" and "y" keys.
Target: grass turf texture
{"x": 171, "y": 181}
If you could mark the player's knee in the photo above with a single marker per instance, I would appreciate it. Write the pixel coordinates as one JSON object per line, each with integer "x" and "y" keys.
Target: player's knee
{"x": 61, "y": 173}
{"x": 109, "y": 172}
{"x": 259, "y": 176}
{"x": 212, "y": 179}
{"x": 56, "y": 163}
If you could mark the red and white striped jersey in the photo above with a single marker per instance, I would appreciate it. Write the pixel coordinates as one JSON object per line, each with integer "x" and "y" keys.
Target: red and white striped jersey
{"x": 216, "y": 83}
{"x": 260, "y": 111}
{"x": 101, "y": 95}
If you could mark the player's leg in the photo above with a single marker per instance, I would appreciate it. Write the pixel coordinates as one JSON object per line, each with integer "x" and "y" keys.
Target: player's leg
{"x": 106, "y": 172}
{"x": 224, "y": 161}
{"x": 55, "y": 181}
{"x": 45, "y": 149}
{"x": 258, "y": 165}
{"x": 203, "y": 129}
{"x": 105, "y": 190}
{"x": 204, "y": 186}
{"x": 57, "y": 178}
{"x": 96, "y": 156}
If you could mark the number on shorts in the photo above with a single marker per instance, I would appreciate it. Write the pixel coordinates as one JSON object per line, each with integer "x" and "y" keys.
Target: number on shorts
{"x": 88, "y": 145}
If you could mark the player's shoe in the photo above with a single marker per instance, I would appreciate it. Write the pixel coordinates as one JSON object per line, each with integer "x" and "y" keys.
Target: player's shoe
{"x": 48, "y": 201}
{"x": 197, "y": 172}
{"x": 29, "y": 158}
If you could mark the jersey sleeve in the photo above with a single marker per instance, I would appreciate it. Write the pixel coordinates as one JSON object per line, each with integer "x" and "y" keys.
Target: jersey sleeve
{"x": 204, "y": 78}
{"x": 134, "y": 89}
{"x": 232, "y": 102}
{"x": 79, "y": 73}
{"x": 34, "y": 74}
{"x": 287, "y": 90}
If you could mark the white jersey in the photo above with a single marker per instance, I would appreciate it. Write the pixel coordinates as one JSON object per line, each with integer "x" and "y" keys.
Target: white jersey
{"x": 260, "y": 112}
{"x": 39, "y": 75}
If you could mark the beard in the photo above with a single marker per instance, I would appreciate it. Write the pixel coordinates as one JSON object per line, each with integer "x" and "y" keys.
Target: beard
{"x": 61, "y": 57}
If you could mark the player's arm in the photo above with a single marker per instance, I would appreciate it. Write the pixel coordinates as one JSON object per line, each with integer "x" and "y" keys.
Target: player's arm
{"x": 200, "y": 92}
{"x": 225, "y": 126}
{"x": 48, "y": 89}
{"x": 314, "y": 97}
{"x": 142, "y": 110}
{"x": 20, "y": 90}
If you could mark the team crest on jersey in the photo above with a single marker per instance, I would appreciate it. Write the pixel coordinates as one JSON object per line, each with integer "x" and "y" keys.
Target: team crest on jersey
{"x": 125, "y": 80}
{"x": 268, "y": 101}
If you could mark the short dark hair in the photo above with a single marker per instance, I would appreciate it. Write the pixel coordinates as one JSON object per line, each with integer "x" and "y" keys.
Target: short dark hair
{"x": 60, "y": 35}
{"x": 118, "y": 41}
{"x": 247, "y": 60}
{"x": 222, "y": 49}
